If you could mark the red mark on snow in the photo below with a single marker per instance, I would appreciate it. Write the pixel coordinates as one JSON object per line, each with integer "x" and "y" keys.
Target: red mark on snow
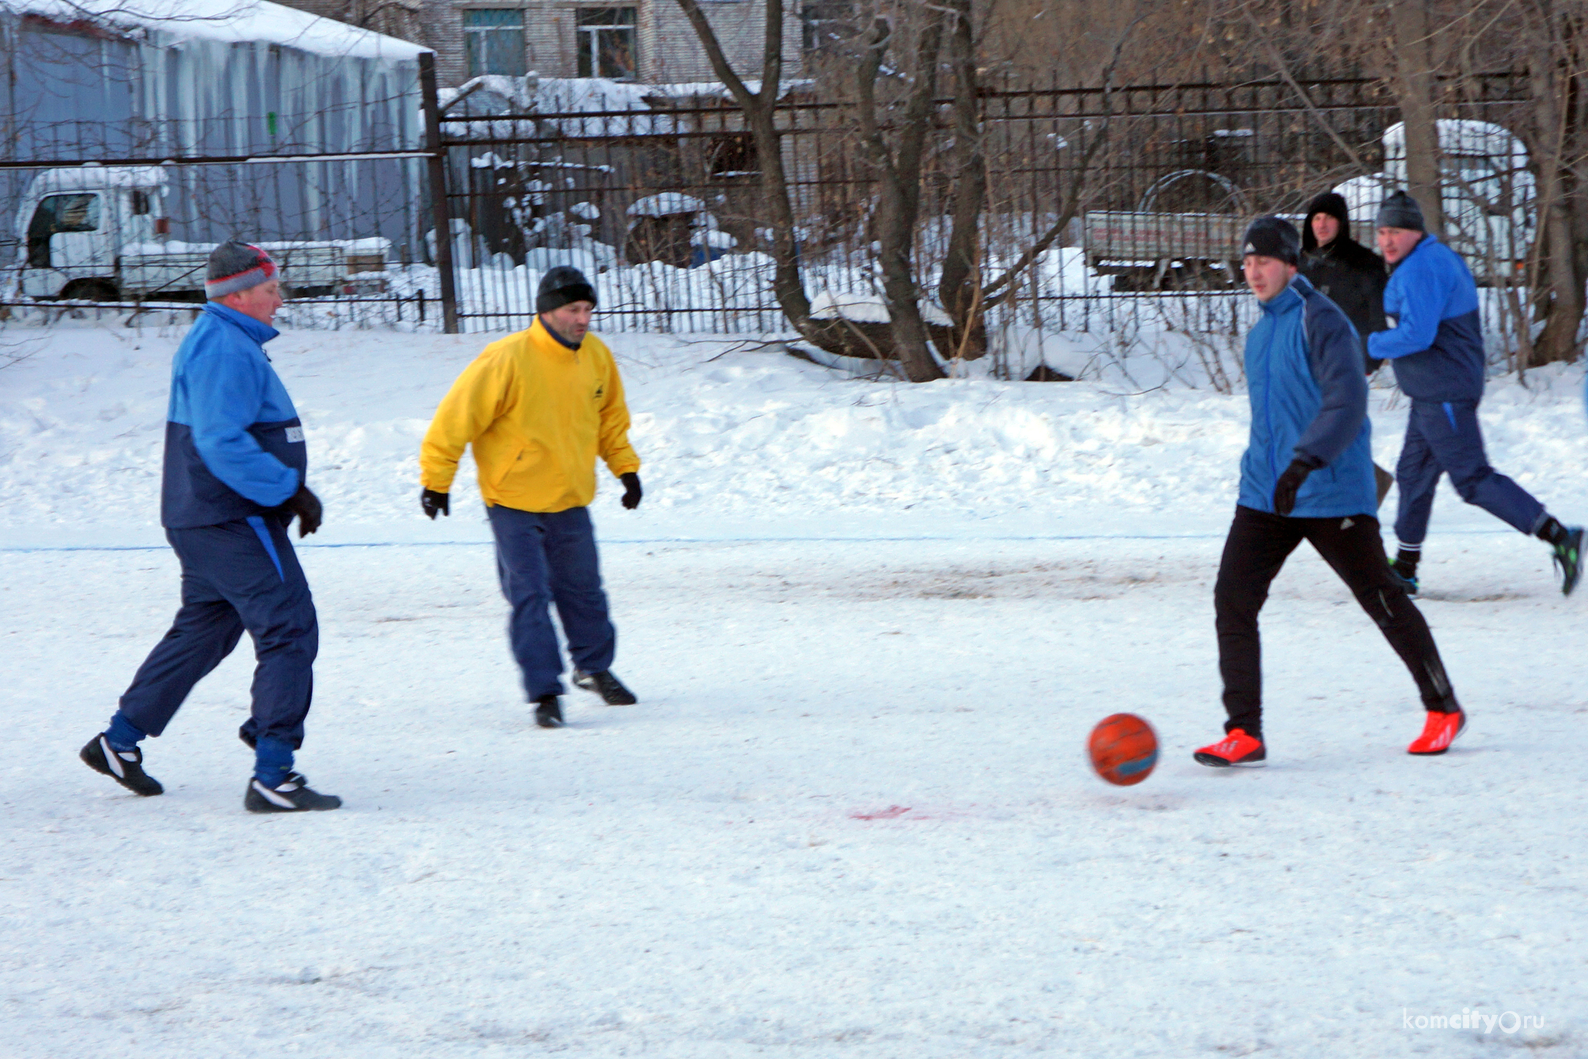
{"x": 892, "y": 812}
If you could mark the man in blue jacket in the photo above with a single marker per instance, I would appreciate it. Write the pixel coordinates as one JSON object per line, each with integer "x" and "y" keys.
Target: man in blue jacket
{"x": 1436, "y": 343}
{"x": 1307, "y": 475}
{"x": 235, "y": 463}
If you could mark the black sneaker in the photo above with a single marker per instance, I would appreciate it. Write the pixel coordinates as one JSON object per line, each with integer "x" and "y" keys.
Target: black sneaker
{"x": 123, "y": 766}
{"x": 609, "y": 687}
{"x": 291, "y": 795}
{"x": 1406, "y": 581}
{"x": 1568, "y": 557}
{"x": 548, "y": 711}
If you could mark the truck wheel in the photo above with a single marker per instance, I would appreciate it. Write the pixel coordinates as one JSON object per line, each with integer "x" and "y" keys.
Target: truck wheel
{"x": 91, "y": 290}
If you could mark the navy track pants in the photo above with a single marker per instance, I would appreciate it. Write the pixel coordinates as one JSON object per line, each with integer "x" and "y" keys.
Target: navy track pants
{"x": 236, "y": 576}
{"x": 1444, "y": 438}
{"x": 544, "y": 558}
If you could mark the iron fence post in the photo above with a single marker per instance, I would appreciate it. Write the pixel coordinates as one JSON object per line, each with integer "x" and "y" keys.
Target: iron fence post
{"x": 440, "y": 215}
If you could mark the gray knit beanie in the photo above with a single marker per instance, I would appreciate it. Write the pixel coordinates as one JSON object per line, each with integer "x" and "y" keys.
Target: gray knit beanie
{"x": 561, "y": 286}
{"x": 1400, "y": 210}
{"x": 235, "y": 267}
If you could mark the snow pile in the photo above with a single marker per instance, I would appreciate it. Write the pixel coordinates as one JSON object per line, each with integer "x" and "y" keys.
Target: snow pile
{"x": 665, "y": 204}
{"x": 736, "y": 437}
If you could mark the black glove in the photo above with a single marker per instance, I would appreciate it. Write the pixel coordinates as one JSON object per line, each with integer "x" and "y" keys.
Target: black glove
{"x": 1289, "y": 485}
{"x": 631, "y": 490}
{"x": 433, "y": 501}
{"x": 306, "y": 506}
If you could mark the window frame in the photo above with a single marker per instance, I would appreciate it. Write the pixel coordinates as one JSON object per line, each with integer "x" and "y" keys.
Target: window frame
{"x": 478, "y": 41}
{"x": 588, "y": 40}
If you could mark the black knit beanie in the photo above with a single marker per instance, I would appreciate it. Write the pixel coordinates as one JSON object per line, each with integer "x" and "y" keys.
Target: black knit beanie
{"x": 561, "y": 286}
{"x": 1334, "y": 205}
{"x": 1400, "y": 210}
{"x": 1273, "y": 237}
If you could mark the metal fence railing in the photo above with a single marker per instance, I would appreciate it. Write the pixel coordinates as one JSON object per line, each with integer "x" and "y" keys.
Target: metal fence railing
{"x": 657, "y": 196}
{"x": 656, "y": 193}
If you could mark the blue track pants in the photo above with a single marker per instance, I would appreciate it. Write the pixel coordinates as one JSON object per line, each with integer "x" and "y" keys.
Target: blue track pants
{"x": 236, "y": 576}
{"x": 544, "y": 558}
{"x": 1444, "y": 438}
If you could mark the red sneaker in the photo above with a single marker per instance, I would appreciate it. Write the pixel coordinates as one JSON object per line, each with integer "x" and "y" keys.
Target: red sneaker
{"x": 1439, "y": 732}
{"x": 1237, "y": 748}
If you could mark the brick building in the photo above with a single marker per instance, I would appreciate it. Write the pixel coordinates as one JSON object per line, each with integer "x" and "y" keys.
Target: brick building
{"x": 649, "y": 41}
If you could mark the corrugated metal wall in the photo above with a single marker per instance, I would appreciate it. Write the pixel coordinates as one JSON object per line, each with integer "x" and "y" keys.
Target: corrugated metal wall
{"x": 75, "y": 93}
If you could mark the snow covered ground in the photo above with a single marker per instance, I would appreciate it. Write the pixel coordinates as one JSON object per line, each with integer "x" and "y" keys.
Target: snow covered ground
{"x": 870, "y": 625}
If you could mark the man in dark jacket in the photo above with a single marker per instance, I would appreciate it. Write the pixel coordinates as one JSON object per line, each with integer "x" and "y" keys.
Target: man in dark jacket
{"x": 1307, "y": 475}
{"x": 235, "y": 463}
{"x": 1351, "y": 276}
{"x": 1436, "y": 343}
{"x": 1348, "y": 273}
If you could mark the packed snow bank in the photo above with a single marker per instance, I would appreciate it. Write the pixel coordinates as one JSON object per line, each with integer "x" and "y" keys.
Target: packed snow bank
{"x": 848, "y": 820}
{"x": 737, "y": 438}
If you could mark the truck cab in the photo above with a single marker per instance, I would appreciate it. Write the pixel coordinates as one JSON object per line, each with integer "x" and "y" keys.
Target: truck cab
{"x": 76, "y": 222}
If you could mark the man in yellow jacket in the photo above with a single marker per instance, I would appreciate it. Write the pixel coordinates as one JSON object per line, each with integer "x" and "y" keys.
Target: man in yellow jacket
{"x": 539, "y": 406}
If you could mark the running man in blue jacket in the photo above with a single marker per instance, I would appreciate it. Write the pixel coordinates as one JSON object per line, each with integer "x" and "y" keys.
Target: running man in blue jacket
{"x": 1308, "y": 475}
{"x": 1436, "y": 343}
{"x": 235, "y": 463}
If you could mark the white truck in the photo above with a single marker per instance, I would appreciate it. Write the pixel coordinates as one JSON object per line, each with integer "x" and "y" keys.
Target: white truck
{"x": 1490, "y": 195}
{"x": 100, "y": 233}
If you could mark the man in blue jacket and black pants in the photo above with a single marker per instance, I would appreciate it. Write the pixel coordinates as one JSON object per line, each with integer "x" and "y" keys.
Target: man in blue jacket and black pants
{"x": 235, "y": 463}
{"x": 1436, "y": 344}
{"x": 1308, "y": 475}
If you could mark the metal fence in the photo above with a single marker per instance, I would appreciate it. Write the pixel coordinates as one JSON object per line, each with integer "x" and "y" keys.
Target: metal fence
{"x": 659, "y": 198}
{"x": 656, "y": 194}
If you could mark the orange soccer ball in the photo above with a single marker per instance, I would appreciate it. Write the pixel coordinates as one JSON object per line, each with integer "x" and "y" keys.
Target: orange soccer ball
{"x": 1123, "y": 749}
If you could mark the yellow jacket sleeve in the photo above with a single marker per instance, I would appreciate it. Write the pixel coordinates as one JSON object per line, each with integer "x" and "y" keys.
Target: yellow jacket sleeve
{"x": 615, "y": 449}
{"x": 481, "y": 395}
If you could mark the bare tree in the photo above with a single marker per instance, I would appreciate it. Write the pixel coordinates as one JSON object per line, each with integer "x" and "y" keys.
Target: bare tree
{"x": 1413, "y": 67}
{"x": 897, "y": 162}
{"x": 959, "y": 286}
{"x": 759, "y": 108}
{"x": 1555, "y": 51}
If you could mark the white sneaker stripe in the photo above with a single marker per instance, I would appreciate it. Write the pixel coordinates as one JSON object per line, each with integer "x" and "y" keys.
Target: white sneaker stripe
{"x": 272, "y": 796}
{"x": 113, "y": 758}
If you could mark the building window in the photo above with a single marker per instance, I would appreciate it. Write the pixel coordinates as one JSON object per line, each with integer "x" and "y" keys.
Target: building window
{"x": 606, "y": 43}
{"x": 493, "y": 40}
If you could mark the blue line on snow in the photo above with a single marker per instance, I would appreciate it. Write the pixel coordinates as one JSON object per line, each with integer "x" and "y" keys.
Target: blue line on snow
{"x": 721, "y": 540}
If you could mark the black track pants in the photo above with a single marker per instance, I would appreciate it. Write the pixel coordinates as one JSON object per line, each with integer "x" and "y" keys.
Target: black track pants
{"x": 1256, "y": 549}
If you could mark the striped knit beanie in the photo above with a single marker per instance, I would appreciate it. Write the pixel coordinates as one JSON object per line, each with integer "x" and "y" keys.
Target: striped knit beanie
{"x": 1400, "y": 210}
{"x": 235, "y": 267}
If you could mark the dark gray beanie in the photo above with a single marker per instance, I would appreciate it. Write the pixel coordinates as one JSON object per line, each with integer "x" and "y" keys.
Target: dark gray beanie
{"x": 237, "y": 266}
{"x": 1400, "y": 210}
{"x": 561, "y": 286}
{"x": 1273, "y": 237}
